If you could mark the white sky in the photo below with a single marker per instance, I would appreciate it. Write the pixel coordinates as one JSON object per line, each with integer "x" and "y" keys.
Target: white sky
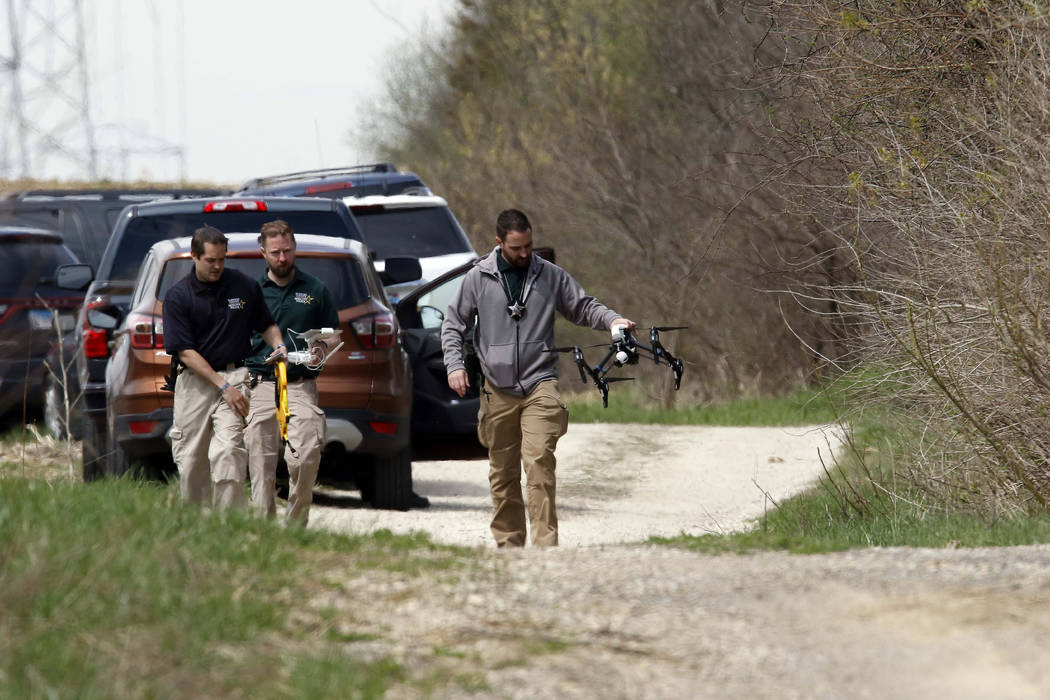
{"x": 248, "y": 88}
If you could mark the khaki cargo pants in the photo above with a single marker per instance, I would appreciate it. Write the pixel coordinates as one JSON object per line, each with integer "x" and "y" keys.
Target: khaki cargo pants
{"x": 306, "y": 436}
{"x": 523, "y": 430}
{"x": 207, "y": 440}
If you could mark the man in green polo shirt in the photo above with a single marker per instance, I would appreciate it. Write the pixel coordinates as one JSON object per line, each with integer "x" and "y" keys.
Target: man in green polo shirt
{"x": 297, "y": 301}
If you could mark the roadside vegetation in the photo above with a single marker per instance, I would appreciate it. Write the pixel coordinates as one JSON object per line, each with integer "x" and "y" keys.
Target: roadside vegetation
{"x": 812, "y": 187}
{"x": 800, "y": 407}
{"x": 114, "y": 589}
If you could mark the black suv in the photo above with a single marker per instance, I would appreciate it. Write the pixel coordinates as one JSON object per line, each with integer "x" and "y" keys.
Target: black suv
{"x": 138, "y": 228}
{"x": 336, "y": 183}
{"x": 85, "y": 217}
{"x": 29, "y": 303}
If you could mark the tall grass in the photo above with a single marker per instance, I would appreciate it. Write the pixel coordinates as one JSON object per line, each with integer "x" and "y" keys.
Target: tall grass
{"x": 800, "y": 407}
{"x": 114, "y": 589}
{"x": 867, "y": 499}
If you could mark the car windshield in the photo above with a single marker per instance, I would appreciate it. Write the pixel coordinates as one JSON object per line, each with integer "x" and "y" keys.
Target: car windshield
{"x": 342, "y": 276}
{"x": 143, "y": 231}
{"x": 29, "y": 264}
{"x": 420, "y": 232}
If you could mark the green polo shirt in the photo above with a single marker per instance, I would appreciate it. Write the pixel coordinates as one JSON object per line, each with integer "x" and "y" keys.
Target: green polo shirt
{"x": 303, "y": 304}
{"x": 513, "y": 278}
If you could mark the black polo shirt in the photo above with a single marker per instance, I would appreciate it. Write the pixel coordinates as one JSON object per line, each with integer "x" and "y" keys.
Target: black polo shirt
{"x": 217, "y": 319}
{"x": 302, "y": 304}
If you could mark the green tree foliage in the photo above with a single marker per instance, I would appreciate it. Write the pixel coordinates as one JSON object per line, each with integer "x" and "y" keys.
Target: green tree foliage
{"x": 917, "y": 135}
{"x": 628, "y": 131}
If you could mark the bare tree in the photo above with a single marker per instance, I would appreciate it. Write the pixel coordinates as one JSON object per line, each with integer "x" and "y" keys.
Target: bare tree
{"x": 916, "y": 135}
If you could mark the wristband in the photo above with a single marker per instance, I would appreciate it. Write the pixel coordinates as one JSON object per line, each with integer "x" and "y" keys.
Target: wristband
{"x": 224, "y": 388}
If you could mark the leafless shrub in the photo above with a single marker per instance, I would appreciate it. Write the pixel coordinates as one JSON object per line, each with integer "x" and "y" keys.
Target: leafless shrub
{"x": 916, "y": 135}
{"x": 627, "y": 131}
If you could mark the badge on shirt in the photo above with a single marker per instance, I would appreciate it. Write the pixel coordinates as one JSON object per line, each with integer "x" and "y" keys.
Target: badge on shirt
{"x": 303, "y": 298}
{"x": 236, "y": 303}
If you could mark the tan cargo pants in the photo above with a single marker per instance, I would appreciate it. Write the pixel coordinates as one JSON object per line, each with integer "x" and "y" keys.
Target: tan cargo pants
{"x": 523, "y": 430}
{"x": 207, "y": 440}
{"x": 306, "y": 436}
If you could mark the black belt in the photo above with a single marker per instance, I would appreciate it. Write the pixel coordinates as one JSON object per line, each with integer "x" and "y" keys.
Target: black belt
{"x": 257, "y": 377}
{"x": 229, "y": 366}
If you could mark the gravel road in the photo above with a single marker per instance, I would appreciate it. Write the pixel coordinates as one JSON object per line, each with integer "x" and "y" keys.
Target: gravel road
{"x": 600, "y": 617}
{"x": 616, "y": 483}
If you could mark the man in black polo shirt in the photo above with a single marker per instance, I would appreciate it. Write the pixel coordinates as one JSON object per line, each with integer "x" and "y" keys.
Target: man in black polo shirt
{"x": 297, "y": 301}
{"x": 209, "y": 317}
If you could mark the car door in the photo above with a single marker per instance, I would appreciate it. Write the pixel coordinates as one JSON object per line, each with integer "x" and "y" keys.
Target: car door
{"x": 436, "y": 408}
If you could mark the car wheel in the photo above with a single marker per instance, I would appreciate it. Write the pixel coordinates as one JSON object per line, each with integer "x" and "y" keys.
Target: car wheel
{"x": 55, "y": 418}
{"x": 391, "y": 481}
{"x": 117, "y": 462}
{"x": 92, "y": 454}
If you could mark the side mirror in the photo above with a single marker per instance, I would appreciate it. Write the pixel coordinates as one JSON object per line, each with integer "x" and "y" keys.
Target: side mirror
{"x": 398, "y": 270}
{"x": 108, "y": 319}
{"x": 76, "y": 277}
{"x": 547, "y": 253}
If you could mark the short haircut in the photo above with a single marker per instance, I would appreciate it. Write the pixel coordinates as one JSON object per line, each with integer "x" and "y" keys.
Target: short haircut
{"x": 275, "y": 228}
{"x": 511, "y": 220}
{"x": 206, "y": 234}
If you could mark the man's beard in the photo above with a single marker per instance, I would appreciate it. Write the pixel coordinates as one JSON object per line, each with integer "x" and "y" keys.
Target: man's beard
{"x": 282, "y": 271}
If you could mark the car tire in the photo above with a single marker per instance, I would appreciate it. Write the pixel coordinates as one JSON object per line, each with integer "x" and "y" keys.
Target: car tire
{"x": 91, "y": 451}
{"x": 391, "y": 481}
{"x": 117, "y": 462}
{"x": 55, "y": 412}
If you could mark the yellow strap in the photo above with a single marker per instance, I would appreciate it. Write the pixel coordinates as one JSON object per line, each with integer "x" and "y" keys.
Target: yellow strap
{"x": 282, "y": 398}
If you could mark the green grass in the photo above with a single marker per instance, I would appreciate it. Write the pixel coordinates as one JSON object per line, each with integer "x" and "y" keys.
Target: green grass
{"x": 814, "y": 523}
{"x": 801, "y": 407}
{"x": 848, "y": 511}
{"x": 114, "y": 589}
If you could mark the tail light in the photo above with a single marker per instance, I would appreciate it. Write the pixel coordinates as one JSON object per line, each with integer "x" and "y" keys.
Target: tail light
{"x": 94, "y": 340}
{"x": 376, "y": 331}
{"x": 384, "y": 427}
{"x": 146, "y": 331}
{"x": 235, "y": 205}
{"x": 328, "y": 187}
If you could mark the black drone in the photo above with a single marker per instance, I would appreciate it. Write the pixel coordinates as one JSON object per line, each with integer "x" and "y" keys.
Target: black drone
{"x": 625, "y": 350}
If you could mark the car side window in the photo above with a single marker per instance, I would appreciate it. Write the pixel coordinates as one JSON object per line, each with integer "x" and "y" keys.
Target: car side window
{"x": 148, "y": 272}
{"x": 433, "y": 305}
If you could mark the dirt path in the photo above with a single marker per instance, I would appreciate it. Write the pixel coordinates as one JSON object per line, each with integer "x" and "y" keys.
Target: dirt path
{"x": 594, "y": 618}
{"x": 616, "y": 483}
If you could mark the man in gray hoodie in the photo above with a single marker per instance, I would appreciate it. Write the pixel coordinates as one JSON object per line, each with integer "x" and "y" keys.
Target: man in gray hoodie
{"x": 513, "y": 294}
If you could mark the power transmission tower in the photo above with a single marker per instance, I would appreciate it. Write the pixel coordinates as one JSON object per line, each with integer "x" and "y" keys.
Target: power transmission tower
{"x": 46, "y": 124}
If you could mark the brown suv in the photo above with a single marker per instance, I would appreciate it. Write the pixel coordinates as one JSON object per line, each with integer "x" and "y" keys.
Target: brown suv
{"x": 365, "y": 388}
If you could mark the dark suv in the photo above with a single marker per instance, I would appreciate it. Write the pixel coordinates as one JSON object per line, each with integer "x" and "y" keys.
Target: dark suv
{"x": 138, "y": 228}
{"x": 85, "y": 217}
{"x": 365, "y": 388}
{"x": 33, "y": 311}
{"x": 336, "y": 183}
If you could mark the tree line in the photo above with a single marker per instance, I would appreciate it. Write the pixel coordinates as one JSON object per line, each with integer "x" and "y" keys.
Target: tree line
{"x": 845, "y": 193}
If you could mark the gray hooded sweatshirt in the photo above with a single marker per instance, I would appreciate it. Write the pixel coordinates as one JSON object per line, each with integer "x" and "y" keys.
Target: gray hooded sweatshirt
{"x": 513, "y": 353}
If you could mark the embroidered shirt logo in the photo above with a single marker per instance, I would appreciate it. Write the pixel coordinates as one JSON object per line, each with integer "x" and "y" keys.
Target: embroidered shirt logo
{"x": 303, "y": 298}
{"x": 236, "y": 303}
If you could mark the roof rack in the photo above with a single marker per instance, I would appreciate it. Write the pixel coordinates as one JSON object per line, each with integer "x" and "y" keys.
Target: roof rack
{"x": 321, "y": 174}
{"x": 108, "y": 194}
